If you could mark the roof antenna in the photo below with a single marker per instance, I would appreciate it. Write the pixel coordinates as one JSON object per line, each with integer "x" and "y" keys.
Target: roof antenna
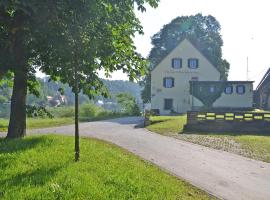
{"x": 247, "y": 70}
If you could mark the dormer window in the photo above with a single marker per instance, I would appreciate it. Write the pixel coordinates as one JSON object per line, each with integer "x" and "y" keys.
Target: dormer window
{"x": 176, "y": 63}
{"x": 193, "y": 63}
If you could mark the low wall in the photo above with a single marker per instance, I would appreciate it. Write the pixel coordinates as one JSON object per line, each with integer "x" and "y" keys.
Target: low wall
{"x": 243, "y": 122}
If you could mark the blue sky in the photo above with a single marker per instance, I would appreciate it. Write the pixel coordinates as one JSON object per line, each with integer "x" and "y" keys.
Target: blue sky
{"x": 244, "y": 27}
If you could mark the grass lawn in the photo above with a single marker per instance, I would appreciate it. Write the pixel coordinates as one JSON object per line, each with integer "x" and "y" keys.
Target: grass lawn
{"x": 249, "y": 145}
{"x": 42, "y": 167}
{"x": 167, "y": 125}
{"x": 39, "y": 123}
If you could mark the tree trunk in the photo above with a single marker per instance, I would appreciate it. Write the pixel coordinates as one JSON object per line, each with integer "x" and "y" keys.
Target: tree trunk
{"x": 17, "y": 122}
{"x": 77, "y": 139}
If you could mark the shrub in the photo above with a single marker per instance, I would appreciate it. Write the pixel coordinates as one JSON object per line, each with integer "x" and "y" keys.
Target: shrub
{"x": 3, "y": 99}
{"x": 65, "y": 111}
{"x": 89, "y": 110}
{"x": 4, "y": 110}
{"x": 128, "y": 104}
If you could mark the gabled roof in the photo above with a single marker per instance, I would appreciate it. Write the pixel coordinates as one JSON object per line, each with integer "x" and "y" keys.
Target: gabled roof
{"x": 265, "y": 79}
{"x": 193, "y": 46}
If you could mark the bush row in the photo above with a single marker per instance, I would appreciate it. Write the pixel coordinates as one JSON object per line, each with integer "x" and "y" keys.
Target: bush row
{"x": 87, "y": 112}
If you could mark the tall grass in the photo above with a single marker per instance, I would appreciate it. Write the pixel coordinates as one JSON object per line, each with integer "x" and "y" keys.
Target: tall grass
{"x": 65, "y": 115}
{"x": 87, "y": 112}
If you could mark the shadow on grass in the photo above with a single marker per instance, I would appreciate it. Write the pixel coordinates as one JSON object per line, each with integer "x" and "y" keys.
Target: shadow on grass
{"x": 35, "y": 178}
{"x": 160, "y": 121}
{"x": 19, "y": 145}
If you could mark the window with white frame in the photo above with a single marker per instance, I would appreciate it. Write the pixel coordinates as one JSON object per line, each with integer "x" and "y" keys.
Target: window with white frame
{"x": 168, "y": 82}
{"x": 228, "y": 89}
{"x": 240, "y": 89}
{"x": 176, "y": 63}
{"x": 193, "y": 63}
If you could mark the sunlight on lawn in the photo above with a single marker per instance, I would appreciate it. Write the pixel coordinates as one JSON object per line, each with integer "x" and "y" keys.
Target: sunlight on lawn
{"x": 42, "y": 167}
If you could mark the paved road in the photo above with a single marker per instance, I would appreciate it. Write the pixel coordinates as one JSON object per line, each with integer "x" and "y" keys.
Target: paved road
{"x": 225, "y": 175}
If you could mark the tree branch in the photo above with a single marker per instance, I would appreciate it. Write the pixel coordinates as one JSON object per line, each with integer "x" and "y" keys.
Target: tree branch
{"x": 4, "y": 16}
{"x": 2, "y": 73}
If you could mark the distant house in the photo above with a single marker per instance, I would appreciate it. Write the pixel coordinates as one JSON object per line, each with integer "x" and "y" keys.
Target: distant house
{"x": 262, "y": 93}
{"x": 57, "y": 100}
{"x": 171, "y": 79}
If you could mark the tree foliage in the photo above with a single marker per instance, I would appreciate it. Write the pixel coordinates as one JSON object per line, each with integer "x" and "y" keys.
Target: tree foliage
{"x": 202, "y": 31}
{"x": 54, "y": 36}
{"x": 128, "y": 104}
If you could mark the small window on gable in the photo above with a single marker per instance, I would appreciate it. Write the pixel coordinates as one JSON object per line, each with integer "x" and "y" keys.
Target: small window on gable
{"x": 168, "y": 82}
{"x": 168, "y": 104}
{"x": 228, "y": 89}
{"x": 240, "y": 89}
{"x": 176, "y": 63}
{"x": 193, "y": 63}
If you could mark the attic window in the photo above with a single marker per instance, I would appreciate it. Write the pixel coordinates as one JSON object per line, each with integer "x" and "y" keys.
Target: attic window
{"x": 193, "y": 63}
{"x": 176, "y": 63}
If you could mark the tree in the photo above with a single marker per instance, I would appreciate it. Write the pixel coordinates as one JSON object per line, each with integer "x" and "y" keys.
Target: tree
{"x": 128, "y": 104}
{"x": 57, "y": 36}
{"x": 202, "y": 31}
{"x": 146, "y": 91}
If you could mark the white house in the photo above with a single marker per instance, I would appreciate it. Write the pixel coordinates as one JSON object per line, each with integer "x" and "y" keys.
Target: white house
{"x": 171, "y": 79}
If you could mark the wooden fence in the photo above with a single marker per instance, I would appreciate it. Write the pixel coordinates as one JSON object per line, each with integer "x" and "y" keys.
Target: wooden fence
{"x": 228, "y": 121}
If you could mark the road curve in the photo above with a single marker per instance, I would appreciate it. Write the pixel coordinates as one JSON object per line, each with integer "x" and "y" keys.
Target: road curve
{"x": 222, "y": 174}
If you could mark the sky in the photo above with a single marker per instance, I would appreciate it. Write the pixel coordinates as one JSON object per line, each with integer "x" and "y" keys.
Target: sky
{"x": 245, "y": 31}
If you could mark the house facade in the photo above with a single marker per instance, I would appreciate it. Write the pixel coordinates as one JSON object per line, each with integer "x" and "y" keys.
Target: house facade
{"x": 170, "y": 82}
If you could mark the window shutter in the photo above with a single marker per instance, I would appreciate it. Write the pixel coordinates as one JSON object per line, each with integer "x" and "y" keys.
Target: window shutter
{"x": 164, "y": 82}
{"x": 172, "y": 82}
